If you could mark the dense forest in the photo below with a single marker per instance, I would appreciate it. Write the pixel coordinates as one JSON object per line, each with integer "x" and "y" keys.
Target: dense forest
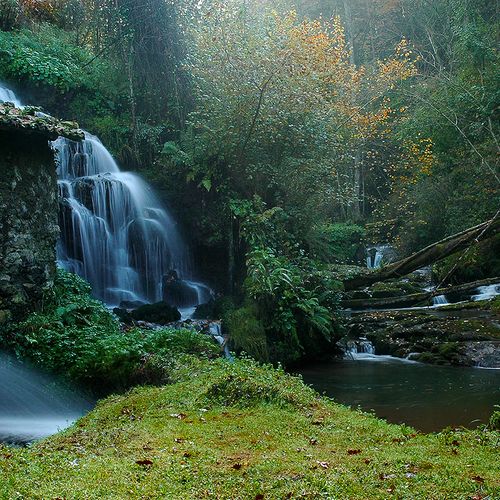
{"x": 201, "y": 199}
{"x": 283, "y": 137}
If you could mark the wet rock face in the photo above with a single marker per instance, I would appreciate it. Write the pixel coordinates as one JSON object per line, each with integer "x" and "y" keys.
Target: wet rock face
{"x": 28, "y": 222}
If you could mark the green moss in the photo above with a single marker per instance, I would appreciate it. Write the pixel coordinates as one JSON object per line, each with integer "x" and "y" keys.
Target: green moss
{"x": 238, "y": 431}
{"x": 394, "y": 289}
{"x": 247, "y": 332}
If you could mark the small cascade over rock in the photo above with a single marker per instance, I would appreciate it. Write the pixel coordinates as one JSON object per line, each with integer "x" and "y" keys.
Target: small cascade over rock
{"x": 440, "y": 300}
{"x": 6, "y": 95}
{"x": 378, "y": 255}
{"x": 359, "y": 348}
{"x": 487, "y": 292}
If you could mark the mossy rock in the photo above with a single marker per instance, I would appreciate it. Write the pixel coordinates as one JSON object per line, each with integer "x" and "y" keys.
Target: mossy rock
{"x": 160, "y": 313}
{"x": 215, "y": 309}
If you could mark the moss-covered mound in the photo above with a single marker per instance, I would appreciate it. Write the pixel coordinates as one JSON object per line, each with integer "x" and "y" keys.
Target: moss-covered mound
{"x": 239, "y": 431}
{"x": 30, "y": 121}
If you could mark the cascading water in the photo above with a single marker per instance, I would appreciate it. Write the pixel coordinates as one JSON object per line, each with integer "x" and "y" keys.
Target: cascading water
{"x": 115, "y": 233}
{"x": 32, "y": 405}
{"x": 487, "y": 292}
{"x": 6, "y": 95}
{"x": 440, "y": 300}
{"x": 378, "y": 255}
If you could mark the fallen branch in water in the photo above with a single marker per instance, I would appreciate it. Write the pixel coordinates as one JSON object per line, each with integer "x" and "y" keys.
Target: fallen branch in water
{"x": 415, "y": 298}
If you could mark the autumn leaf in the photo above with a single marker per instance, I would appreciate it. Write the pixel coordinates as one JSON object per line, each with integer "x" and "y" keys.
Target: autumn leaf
{"x": 353, "y": 452}
{"x": 145, "y": 463}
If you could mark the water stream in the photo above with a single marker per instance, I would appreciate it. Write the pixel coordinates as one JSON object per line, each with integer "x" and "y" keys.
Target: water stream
{"x": 33, "y": 405}
{"x": 429, "y": 398}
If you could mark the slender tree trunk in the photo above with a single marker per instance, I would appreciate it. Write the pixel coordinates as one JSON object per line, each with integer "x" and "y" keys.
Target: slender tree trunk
{"x": 133, "y": 103}
{"x": 230, "y": 260}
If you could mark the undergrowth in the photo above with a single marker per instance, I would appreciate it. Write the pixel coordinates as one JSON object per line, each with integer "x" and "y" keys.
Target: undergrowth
{"x": 76, "y": 336}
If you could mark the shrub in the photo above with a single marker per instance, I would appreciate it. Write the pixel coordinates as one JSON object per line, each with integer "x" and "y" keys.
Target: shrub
{"x": 76, "y": 336}
{"x": 495, "y": 419}
{"x": 247, "y": 332}
{"x": 336, "y": 243}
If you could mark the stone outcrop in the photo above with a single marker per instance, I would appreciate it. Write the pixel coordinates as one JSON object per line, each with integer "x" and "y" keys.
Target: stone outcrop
{"x": 28, "y": 207}
{"x": 466, "y": 334}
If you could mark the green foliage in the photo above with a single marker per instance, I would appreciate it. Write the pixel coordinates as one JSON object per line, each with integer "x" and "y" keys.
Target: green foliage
{"x": 296, "y": 301}
{"x": 336, "y": 243}
{"x": 78, "y": 337}
{"x": 45, "y": 57}
{"x": 10, "y": 14}
{"x": 495, "y": 419}
{"x": 247, "y": 333}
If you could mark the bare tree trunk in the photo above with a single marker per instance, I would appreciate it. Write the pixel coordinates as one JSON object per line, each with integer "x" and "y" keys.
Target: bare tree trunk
{"x": 133, "y": 103}
{"x": 428, "y": 255}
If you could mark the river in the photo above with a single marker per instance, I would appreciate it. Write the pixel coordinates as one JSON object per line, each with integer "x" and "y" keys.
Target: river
{"x": 429, "y": 398}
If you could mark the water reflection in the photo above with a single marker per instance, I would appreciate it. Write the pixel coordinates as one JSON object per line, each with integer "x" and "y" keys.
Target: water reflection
{"x": 426, "y": 397}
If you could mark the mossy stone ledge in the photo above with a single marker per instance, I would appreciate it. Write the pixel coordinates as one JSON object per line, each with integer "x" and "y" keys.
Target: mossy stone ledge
{"x": 28, "y": 206}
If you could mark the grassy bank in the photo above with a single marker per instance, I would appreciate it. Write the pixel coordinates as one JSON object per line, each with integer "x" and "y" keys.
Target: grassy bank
{"x": 238, "y": 430}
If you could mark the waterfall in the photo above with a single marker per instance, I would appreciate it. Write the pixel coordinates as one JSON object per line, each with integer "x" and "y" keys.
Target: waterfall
{"x": 378, "y": 255}
{"x": 6, "y": 95}
{"x": 115, "y": 232}
{"x": 487, "y": 292}
{"x": 32, "y": 405}
{"x": 440, "y": 300}
{"x": 359, "y": 349}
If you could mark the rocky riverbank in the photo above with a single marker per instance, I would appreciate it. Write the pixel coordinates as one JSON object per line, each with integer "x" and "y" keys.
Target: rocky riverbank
{"x": 466, "y": 334}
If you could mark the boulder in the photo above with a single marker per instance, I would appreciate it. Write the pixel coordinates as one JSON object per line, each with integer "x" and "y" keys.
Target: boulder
{"x": 177, "y": 292}
{"x": 160, "y": 313}
{"x": 131, "y": 304}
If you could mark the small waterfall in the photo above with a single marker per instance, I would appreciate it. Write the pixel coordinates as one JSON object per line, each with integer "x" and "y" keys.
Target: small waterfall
{"x": 6, "y": 95}
{"x": 378, "y": 255}
{"x": 215, "y": 330}
{"x": 487, "y": 292}
{"x": 440, "y": 300}
{"x": 359, "y": 349}
{"x": 32, "y": 405}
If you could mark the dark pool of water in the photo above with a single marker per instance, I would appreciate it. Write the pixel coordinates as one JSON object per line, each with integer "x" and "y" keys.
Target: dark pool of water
{"x": 426, "y": 397}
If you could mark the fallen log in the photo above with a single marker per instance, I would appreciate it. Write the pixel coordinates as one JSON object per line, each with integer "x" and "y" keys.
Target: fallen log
{"x": 415, "y": 298}
{"x": 428, "y": 255}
